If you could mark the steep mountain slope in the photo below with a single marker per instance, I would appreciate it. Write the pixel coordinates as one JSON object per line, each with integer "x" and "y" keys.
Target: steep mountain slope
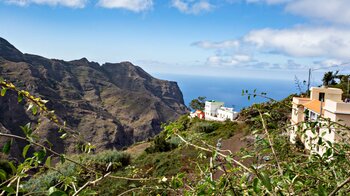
{"x": 110, "y": 105}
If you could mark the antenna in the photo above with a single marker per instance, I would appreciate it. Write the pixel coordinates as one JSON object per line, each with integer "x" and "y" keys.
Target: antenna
{"x": 310, "y": 70}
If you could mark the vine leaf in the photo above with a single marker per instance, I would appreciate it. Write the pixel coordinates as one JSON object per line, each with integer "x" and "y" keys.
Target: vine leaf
{"x": 322, "y": 191}
{"x": 34, "y": 110}
{"x": 48, "y": 161}
{"x": 13, "y": 168}
{"x": 2, "y": 174}
{"x": 20, "y": 97}
{"x": 62, "y": 158}
{"x": 9, "y": 190}
{"x": 26, "y": 129}
{"x": 53, "y": 191}
{"x": 40, "y": 155}
{"x": 256, "y": 185}
{"x": 25, "y": 150}
{"x": 3, "y": 91}
{"x": 265, "y": 180}
{"x": 7, "y": 147}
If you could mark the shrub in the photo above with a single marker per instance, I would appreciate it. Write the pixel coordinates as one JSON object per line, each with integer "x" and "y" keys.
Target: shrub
{"x": 41, "y": 183}
{"x": 205, "y": 127}
{"x": 73, "y": 172}
{"x": 161, "y": 144}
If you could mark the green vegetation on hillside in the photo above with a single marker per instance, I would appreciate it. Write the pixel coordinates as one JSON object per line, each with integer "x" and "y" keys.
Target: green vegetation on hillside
{"x": 252, "y": 156}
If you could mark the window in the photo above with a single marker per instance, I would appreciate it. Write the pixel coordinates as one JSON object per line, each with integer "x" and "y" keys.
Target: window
{"x": 306, "y": 114}
{"x": 321, "y": 97}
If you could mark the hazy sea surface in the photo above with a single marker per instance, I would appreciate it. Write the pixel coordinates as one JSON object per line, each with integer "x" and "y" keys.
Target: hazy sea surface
{"x": 229, "y": 90}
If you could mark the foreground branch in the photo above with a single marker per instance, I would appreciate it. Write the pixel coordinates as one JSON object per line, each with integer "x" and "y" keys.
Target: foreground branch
{"x": 90, "y": 183}
{"x": 340, "y": 186}
{"x": 219, "y": 153}
{"x": 46, "y": 148}
{"x": 133, "y": 179}
{"x": 271, "y": 144}
{"x": 140, "y": 188}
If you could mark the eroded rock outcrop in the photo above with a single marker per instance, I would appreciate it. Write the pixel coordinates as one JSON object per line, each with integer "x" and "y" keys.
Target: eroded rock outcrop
{"x": 111, "y": 105}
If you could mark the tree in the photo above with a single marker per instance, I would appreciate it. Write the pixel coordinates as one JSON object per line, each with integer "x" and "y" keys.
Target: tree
{"x": 198, "y": 104}
{"x": 301, "y": 86}
{"x": 329, "y": 78}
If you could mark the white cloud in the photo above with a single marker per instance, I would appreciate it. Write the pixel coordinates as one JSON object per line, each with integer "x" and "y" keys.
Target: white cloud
{"x": 336, "y": 64}
{"x": 336, "y": 11}
{"x": 217, "y": 45}
{"x": 247, "y": 62}
{"x": 288, "y": 65}
{"x": 317, "y": 44}
{"x": 192, "y": 6}
{"x": 303, "y": 41}
{"x": 329, "y": 62}
{"x": 66, "y": 3}
{"x": 291, "y": 64}
{"x": 304, "y": 44}
{"x": 234, "y": 60}
{"x": 132, "y": 5}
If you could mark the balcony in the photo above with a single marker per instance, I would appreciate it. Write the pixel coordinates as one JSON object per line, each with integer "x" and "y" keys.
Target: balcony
{"x": 337, "y": 107}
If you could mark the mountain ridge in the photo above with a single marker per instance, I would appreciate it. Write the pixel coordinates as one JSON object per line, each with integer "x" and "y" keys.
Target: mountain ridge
{"x": 111, "y": 105}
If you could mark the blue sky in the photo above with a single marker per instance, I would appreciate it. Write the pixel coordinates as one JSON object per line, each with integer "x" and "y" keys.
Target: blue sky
{"x": 228, "y": 38}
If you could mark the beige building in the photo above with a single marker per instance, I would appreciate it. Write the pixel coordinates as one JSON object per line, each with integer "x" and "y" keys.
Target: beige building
{"x": 326, "y": 103}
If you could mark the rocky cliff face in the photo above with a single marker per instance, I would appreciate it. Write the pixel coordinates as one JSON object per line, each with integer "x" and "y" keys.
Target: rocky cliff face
{"x": 110, "y": 105}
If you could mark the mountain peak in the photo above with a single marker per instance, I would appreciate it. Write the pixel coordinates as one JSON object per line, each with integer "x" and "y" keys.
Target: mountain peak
{"x": 9, "y": 52}
{"x": 84, "y": 59}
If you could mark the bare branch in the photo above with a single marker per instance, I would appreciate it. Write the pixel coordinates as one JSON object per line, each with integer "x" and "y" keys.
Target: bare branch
{"x": 219, "y": 153}
{"x": 90, "y": 183}
{"x": 48, "y": 149}
{"x": 340, "y": 186}
{"x": 271, "y": 143}
{"x": 133, "y": 179}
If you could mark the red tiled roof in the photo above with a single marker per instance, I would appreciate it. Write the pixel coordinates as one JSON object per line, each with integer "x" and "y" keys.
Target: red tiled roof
{"x": 314, "y": 105}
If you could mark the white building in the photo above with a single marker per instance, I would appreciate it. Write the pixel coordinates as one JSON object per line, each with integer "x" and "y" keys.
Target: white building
{"x": 215, "y": 110}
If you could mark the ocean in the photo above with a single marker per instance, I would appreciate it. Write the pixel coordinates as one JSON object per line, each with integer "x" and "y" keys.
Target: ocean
{"x": 229, "y": 90}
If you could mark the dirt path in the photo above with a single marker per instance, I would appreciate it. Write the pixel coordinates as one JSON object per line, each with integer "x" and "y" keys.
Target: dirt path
{"x": 137, "y": 149}
{"x": 234, "y": 144}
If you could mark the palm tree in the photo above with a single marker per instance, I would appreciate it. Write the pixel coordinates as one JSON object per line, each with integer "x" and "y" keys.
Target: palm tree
{"x": 329, "y": 78}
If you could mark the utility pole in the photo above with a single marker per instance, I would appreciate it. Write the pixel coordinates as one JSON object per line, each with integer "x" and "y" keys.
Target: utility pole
{"x": 308, "y": 83}
{"x": 348, "y": 85}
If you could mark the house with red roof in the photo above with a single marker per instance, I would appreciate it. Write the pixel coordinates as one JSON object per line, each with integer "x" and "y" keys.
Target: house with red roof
{"x": 325, "y": 107}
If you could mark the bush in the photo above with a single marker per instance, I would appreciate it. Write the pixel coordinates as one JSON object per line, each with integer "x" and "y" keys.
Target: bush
{"x": 42, "y": 183}
{"x": 72, "y": 171}
{"x": 205, "y": 127}
{"x": 162, "y": 163}
{"x": 161, "y": 144}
